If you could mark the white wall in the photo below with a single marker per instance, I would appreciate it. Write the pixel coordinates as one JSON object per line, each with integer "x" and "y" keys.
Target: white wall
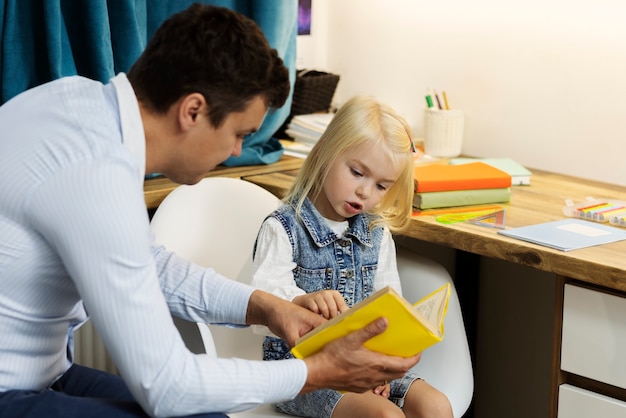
{"x": 542, "y": 81}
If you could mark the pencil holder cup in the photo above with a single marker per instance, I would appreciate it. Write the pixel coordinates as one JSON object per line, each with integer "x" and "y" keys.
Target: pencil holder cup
{"x": 443, "y": 132}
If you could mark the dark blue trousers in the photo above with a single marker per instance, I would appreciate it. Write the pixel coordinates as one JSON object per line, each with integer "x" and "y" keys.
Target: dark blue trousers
{"x": 81, "y": 393}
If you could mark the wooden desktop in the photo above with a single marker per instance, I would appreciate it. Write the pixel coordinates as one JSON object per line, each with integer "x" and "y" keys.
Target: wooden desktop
{"x": 600, "y": 269}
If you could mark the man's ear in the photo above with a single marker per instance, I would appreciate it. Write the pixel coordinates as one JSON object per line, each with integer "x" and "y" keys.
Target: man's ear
{"x": 191, "y": 107}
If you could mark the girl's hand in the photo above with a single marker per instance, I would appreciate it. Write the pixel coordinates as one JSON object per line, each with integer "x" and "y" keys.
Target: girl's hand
{"x": 383, "y": 390}
{"x": 327, "y": 303}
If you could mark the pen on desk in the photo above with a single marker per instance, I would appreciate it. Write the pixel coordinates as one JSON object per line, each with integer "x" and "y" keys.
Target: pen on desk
{"x": 445, "y": 100}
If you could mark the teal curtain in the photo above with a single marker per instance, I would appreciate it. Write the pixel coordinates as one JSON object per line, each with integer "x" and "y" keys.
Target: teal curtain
{"x": 43, "y": 40}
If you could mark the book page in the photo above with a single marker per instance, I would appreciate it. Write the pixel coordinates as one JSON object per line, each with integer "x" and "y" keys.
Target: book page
{"x": 428, "y": 308}
{"x": 432, "y": 307}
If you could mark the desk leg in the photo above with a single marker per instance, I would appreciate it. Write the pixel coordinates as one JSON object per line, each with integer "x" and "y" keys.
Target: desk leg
{"x": 515, "y": 341}
{"x": 557, "y": 376}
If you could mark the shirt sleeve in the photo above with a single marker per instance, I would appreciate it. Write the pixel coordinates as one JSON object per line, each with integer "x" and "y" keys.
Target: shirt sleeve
{"x": 93, "y": 217}
{"x": 387, "y": 271}
{"x": 194, "y": 293}
{"x": 273, "y": 262}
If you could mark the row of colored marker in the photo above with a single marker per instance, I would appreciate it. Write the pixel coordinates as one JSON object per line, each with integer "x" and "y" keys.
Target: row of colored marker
{"x": 602, "y": 211}
{"x": 433, "y": 102}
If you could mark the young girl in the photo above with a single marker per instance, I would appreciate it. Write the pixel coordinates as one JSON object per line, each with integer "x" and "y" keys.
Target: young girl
{"x": 330, "y": 246}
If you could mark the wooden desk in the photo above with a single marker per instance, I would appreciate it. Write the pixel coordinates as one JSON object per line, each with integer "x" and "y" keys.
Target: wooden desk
{"x": 156, "y": 189}
{"x": 602, "y": 266}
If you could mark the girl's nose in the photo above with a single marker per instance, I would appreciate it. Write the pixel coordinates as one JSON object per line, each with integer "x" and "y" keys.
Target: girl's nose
{"x": 363, "y": 191}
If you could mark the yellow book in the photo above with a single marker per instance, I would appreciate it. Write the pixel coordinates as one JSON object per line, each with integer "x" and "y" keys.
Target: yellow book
{"x": 412, "y": 328}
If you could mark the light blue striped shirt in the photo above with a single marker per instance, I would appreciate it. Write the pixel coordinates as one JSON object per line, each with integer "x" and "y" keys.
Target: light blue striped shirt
{"x": 75, "y": 238}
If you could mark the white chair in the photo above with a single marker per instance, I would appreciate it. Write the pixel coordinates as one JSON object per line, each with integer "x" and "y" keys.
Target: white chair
{"x": 446, "y": 365}
{"x": 214, "y": 224}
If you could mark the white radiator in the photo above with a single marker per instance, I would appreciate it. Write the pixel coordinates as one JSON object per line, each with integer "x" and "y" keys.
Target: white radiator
{"x": 89, "y": 349}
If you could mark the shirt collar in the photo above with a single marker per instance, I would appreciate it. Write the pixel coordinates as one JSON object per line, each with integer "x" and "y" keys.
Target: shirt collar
{"x": 133, "y": 134}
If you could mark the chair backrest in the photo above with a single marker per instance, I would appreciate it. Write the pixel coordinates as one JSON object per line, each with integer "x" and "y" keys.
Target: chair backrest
{"x": 215, "y": 223}
{"x": 446, "y": 365}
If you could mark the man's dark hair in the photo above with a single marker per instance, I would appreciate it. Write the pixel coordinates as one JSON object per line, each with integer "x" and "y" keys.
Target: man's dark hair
{"x": 213, "y": 51}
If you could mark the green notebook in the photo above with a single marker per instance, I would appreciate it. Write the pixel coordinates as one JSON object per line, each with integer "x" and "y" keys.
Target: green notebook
{"x": 446, "y": 199}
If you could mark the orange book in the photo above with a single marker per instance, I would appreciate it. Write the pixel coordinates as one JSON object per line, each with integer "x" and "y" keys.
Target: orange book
{"x": 441, "y": 177}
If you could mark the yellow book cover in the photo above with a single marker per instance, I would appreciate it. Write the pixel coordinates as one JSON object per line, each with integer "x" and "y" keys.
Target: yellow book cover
{"x": 412, "y": 328}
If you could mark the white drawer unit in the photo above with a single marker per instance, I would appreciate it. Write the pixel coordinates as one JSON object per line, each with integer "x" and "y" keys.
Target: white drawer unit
{"x": 580, "y": 403}
{"x": 594, "y": 335}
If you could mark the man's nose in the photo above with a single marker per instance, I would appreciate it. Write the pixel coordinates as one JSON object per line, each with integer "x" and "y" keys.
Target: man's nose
{"x": 237, "y": 149}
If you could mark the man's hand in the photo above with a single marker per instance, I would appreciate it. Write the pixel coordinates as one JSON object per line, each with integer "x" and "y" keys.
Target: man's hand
{"x": 346, "y": 365}
{"x": 327, "y": 303}
{"x": 343, "y": 364}
{"x": 285, "y": 319}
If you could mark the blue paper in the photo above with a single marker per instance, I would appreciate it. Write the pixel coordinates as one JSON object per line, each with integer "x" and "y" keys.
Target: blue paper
{"x": 567, "y": 234}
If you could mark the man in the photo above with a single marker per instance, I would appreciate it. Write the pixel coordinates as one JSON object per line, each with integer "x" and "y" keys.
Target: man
{"x": 75, "y": 237}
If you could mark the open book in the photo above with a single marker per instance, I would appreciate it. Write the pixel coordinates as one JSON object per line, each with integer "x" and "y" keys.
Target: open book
{"x": 412, "y": 328}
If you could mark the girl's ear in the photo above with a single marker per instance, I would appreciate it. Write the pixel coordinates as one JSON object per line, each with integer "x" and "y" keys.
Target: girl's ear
{"x": 191, "y": 106}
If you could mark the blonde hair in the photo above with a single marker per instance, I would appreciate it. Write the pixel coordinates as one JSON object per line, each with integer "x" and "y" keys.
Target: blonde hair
{"x": 362, "y": 121}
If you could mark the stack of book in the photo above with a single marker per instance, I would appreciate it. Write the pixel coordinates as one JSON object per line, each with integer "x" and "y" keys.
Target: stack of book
{"x": 446, "y": 185}
{"x": 305, "y": 130}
